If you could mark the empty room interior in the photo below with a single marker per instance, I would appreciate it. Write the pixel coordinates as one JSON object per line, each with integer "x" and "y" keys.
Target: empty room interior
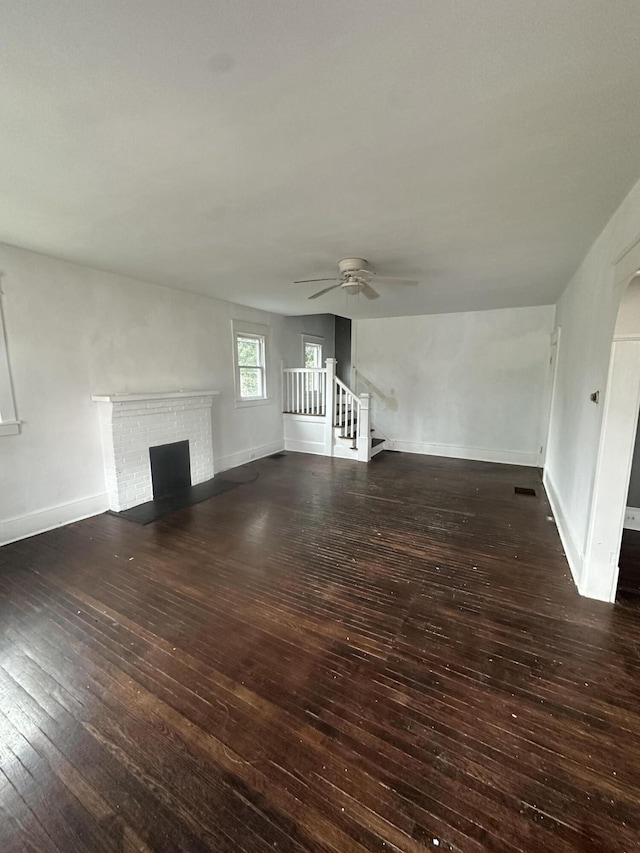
{"x": 319, "y": 446}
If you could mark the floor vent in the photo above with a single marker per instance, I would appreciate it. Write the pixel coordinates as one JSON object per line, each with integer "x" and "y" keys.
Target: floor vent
{"x": 524, "y": 490}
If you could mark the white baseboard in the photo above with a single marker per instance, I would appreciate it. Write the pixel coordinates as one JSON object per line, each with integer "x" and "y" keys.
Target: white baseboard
{"x": 476, "y": 454}
{"x": 574, "y": 557}
{"x": 299, "y": 446}
{"x": 232, "y": 460}
{"x": 632, "y": 518}
{"x": 22, "y": 526}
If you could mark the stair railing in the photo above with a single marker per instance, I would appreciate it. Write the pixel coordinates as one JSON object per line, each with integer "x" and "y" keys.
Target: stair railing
{"x": 317, "y": 391}
{"x": 346, "y": 410}
{"x": 305, "y": 390}
{"x": 352, "y": 415}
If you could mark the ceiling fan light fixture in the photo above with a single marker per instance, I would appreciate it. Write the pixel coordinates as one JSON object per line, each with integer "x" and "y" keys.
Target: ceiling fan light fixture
{"x": 351, "y": 285}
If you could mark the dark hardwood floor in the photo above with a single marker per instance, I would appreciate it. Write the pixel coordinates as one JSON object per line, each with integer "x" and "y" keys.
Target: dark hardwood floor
{"x": 334, "y": 657}
{"x": 629, "y": 563}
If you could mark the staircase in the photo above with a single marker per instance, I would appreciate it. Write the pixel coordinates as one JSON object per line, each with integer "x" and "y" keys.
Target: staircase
{"x": 322, "y": 415}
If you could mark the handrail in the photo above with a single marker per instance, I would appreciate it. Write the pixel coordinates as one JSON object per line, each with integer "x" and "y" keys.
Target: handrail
{"x": 304, "y": 369}
{"x": 369, "y": 384}
{"x": 346, "y": 409}
{"x": 346, "y": 388}
{"x": 391, "y": 402}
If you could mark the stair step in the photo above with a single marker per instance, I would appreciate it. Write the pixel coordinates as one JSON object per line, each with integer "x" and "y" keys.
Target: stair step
{"x": 376, "y": 441}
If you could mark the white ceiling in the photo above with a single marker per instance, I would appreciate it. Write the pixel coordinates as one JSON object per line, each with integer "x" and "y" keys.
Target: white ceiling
{"x": 228, "y": 147}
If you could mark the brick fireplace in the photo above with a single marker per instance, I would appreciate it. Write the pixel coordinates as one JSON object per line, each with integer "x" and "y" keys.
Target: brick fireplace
{"x": 130, "y": 424}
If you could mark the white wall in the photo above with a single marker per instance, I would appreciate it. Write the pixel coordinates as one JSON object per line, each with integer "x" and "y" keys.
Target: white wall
{"x": 470, "y": 385}
{"x": 586, "y": 313}
{"x": 73, "y": 332}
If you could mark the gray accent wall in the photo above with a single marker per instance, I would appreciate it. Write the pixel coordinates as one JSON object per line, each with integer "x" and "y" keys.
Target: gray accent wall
{"x": 633, "y": 498}
{"x": 343, "y": 349}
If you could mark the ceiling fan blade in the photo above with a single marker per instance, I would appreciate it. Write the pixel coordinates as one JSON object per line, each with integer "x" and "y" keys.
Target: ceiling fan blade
{"x": 309, "y": 280}
{"x": 384, "y": 279}
{"x": 326, "y": 290}
{"x": 369, "y": 292}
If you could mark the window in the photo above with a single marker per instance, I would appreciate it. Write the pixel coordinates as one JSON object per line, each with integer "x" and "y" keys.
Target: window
{"x": 312, "y": 347}
{"x": 250, "y": 358}
{"x": 312, "y": 351}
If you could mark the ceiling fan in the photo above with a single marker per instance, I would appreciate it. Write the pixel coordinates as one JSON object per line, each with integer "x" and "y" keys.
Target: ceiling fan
{"x": 355, "y": 278}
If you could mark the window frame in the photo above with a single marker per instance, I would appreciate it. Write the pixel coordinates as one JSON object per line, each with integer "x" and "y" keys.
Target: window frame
{"x": 260, "y": 333}
{"x": 312, "y": 380}
{"x": 314, "y": 340}
{"x": 9, "y": 423}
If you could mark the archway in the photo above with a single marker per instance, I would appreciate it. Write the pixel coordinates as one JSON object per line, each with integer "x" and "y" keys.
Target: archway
{"x": 617, "y": 438}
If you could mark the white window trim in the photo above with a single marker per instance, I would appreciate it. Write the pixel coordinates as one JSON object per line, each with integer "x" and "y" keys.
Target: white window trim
{"x": 240, "y": 327}
{"x": 312, "y": 339}
{"x": 9, "y": 423}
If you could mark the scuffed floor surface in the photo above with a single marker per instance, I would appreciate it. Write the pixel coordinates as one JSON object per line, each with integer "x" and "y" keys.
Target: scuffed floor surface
{"x": 334, "y": 657}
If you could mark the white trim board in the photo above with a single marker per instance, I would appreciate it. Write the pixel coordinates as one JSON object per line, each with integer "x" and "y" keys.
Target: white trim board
{"x": 32, "y": 523}
{"x": 300, "y": 446}
{"x": 632, "y": 518}
{"x": 475, "y": 454}
{"x": 10, "y": 428}
{"x": 232, "y": 460}
{"x": 575, "y": 558}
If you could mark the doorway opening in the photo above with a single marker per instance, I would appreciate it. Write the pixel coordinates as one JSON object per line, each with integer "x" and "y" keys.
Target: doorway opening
{"x": 617, "y": 438}
{"x": 629, "y": 561}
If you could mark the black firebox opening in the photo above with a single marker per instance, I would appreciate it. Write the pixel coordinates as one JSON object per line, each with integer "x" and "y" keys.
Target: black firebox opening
{"x": 170, "y": 468}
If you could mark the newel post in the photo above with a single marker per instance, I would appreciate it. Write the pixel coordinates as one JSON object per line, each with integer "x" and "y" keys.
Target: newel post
{"x": 364, "y": 428}
{"x": 329, "y": 406}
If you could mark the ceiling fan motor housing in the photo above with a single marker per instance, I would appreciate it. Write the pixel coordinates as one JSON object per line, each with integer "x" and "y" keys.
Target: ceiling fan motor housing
{"x": 353, "y": 265}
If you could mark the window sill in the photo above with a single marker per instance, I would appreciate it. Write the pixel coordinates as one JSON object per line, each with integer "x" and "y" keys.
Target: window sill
{"x": 10, "y": 428}
{"x": 259, "y": 401}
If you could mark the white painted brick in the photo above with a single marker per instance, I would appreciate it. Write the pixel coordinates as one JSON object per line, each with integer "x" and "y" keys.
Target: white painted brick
{"x": 130, "y": 428}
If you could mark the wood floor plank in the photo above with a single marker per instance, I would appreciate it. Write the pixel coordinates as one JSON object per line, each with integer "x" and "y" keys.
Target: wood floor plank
{"x": 332, "y": 658}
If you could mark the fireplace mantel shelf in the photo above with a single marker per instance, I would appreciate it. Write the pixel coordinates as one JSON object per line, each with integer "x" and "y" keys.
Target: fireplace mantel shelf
{"x": 152, "y": 395}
